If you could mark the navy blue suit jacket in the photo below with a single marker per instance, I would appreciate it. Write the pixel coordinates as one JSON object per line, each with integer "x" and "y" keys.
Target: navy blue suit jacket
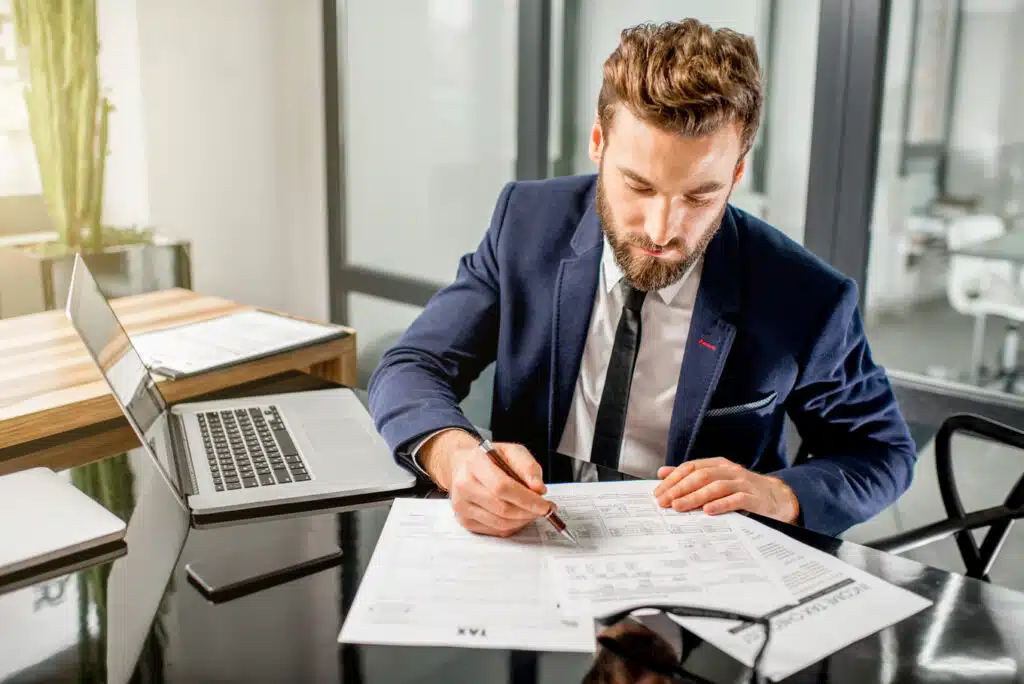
{"x": 775, "y": 331}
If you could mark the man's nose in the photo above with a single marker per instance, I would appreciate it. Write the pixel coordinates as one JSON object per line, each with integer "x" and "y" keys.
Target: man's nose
{"x": 657, "y": 225}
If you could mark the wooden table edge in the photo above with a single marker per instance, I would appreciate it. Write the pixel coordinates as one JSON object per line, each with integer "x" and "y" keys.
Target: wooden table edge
{"x": 333, "y": 360}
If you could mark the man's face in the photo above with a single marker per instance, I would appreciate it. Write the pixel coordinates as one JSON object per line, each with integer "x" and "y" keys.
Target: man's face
{"x": 661, "y": 196}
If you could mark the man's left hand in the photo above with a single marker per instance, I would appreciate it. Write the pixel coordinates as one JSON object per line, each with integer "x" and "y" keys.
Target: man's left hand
{"x": 719, "y": 486}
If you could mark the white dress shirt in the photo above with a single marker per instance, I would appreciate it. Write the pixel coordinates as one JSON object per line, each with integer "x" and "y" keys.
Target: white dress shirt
{"x": 665, "y": 325}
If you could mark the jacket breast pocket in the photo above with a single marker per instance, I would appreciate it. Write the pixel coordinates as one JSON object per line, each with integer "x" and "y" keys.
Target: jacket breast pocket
{"x": 737, "y": 431}
{"x": 761, "y": 406}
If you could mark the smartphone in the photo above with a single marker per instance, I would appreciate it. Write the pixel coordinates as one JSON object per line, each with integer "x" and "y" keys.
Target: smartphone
{"x": 218, "y": 583}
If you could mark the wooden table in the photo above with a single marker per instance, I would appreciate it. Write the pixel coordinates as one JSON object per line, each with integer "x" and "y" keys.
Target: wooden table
{"x": 56, "y": 410}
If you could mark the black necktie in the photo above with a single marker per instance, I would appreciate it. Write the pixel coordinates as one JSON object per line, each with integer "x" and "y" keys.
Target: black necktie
{"x": 611, "y": 414}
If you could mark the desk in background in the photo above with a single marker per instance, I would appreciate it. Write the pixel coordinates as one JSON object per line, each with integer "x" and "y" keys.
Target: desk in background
{"x": 1007, "y": 247}
{"x": 55, "y": 409}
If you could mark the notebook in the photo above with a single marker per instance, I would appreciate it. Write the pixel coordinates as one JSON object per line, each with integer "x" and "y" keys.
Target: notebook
{"x": 45, "y": 517}
{"x": 225, "y": 341}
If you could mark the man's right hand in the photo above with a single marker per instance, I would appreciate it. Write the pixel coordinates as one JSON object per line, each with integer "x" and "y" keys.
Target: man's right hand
{"x": 485, "y": 500}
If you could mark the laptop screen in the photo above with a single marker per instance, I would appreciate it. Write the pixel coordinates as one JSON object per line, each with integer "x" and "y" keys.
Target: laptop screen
{"x": 122, "y": 367}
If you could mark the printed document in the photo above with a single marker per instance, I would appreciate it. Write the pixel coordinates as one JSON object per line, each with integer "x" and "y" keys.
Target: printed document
{"x": 198, "y": 347}
{"x": 632, "y": 551}
{"x": 431, "y": 582}
{"x": 838, "y": 605}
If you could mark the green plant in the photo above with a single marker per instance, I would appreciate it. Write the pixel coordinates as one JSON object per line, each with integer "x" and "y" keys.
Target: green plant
{"x": 68, "y": 118}
{"x": 110, "y": 236}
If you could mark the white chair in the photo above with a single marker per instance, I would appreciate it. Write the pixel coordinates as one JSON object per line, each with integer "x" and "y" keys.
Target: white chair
{"x": 981, "y": 287}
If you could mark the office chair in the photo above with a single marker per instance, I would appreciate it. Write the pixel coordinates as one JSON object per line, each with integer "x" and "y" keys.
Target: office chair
{"x": 981, "y": 287}
{"x": 978, "y": 560}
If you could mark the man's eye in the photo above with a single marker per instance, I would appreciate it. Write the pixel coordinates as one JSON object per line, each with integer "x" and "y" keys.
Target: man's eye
{"x": 700, "y": 201}
{"x": 640, "y": 189}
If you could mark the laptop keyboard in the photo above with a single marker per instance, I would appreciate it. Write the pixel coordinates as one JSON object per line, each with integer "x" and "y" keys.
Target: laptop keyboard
{"x": 250, "y": 448}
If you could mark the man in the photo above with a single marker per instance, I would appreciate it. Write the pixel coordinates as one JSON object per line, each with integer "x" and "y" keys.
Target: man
{"x": 639, "y": 321}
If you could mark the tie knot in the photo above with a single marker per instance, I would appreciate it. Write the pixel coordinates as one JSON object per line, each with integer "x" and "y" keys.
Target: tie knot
{"x": 634, "y": 298}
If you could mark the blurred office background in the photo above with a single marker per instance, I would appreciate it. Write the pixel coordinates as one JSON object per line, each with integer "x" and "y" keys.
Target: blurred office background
{"x": 335, "y": 158}
{"x": 948, "y": 147}
{"x": 443, "y": 137}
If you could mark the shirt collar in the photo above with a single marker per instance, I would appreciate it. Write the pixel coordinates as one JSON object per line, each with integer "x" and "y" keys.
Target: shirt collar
{"x": 613, "y": 275}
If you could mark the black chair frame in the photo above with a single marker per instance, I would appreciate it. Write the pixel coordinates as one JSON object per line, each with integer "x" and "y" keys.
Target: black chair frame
{"x": 978, "y": 559}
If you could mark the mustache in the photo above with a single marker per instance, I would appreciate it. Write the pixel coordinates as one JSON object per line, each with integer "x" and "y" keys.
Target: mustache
{"x": 641, "y": 240}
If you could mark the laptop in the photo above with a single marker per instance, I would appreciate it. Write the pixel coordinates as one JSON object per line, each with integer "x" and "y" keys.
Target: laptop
{"x": 234, "y": 459}
{"x": 49, "y": 519}
{"x": 60, "y": 626}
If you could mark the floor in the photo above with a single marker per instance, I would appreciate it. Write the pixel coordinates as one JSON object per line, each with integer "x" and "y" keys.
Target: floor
{"x": 932, "y": 339}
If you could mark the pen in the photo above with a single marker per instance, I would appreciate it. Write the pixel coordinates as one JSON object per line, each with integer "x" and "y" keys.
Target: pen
{"x": 551, "y": 516}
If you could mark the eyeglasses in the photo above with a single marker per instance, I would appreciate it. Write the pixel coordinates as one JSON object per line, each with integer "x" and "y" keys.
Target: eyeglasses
{"x": 651, "y": 649}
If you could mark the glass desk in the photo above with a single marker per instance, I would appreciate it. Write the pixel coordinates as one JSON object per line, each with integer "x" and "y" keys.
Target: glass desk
{"x": 138, "y": 613}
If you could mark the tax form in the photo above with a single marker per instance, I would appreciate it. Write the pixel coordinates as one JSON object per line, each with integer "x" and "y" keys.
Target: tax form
{"x": 838, "y": 604}
{"x": 431, "y": 582}
{"x": 634, "y": 552}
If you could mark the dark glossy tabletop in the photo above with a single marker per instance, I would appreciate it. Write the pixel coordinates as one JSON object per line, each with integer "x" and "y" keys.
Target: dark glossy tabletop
{"x": 124, "y": 615}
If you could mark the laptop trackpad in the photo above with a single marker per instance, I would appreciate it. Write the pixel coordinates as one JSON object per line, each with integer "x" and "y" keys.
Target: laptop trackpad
{"x": 343, "y": 436}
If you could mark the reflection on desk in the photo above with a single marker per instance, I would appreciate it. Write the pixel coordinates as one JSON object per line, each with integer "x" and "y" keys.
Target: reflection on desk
{"x": 140, "y": 612}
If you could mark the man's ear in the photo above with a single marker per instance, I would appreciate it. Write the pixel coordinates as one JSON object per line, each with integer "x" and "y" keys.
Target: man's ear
{"x": 597, "y": 141}
{"x": 740, "y": 168}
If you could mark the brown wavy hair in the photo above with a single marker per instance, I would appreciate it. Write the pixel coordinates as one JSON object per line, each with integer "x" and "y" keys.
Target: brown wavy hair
{"x": 685, "y": 76}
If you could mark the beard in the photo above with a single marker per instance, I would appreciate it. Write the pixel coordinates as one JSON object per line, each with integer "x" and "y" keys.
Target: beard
{"x": 643, "y": 271}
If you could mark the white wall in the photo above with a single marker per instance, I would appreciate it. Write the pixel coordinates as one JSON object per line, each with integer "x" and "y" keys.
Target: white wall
{"x": 302, "y": 150}
{"x": 789, "y": 114}
{"x": 1012, "y": 111}
{"x": 889, "y": 282}
{"x": 985, "y": 86}
{"x": 1011, "y": 185}
{"x": 19, "y": 174}
{"x": 232, "y": 108}
{"x": 429, "y": 143}
{"x": 126, "y": 192}
{"x": 430, "y": 129}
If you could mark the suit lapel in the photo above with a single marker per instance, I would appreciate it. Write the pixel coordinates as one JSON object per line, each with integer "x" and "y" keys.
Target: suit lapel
{"x": 709, "y": 340}
{"x": 574, "y": 302}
